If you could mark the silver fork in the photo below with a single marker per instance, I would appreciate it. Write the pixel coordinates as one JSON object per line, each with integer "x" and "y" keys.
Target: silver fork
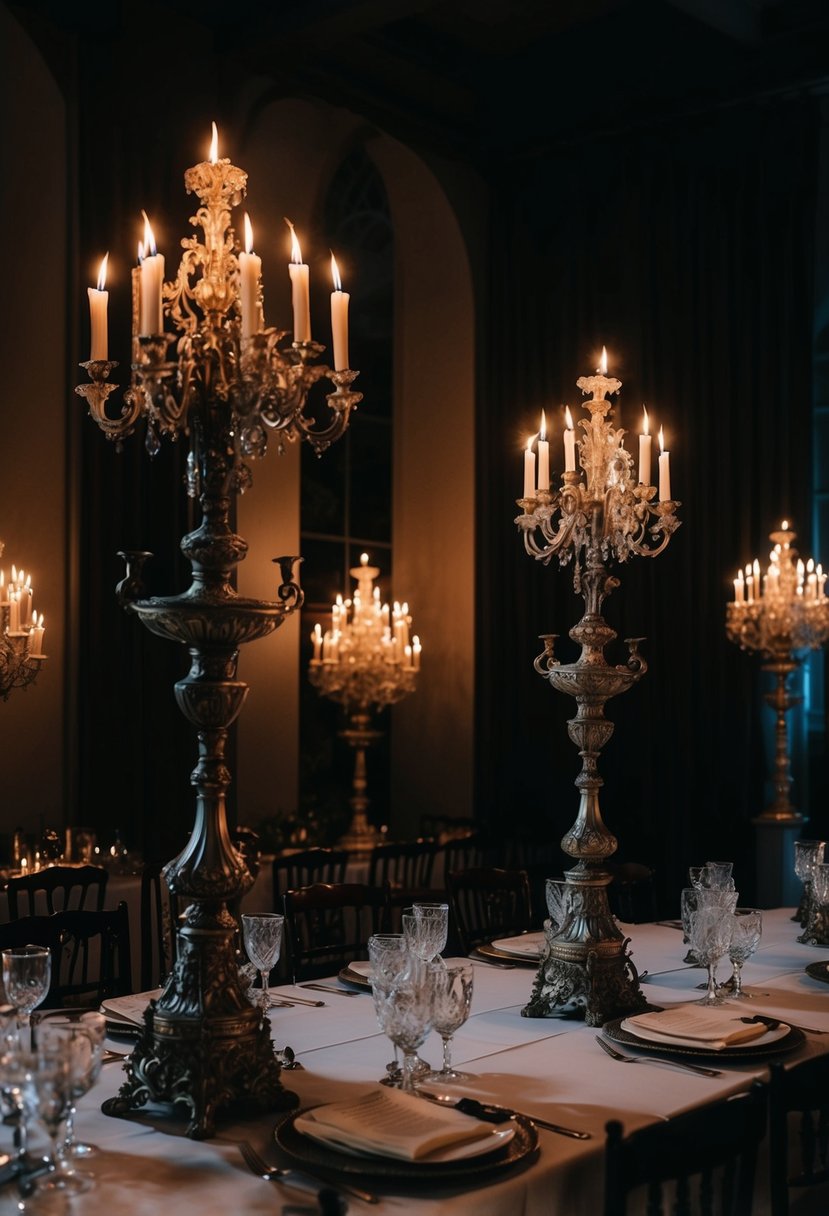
{"x": 277, "y": 1173}
{"x": 618, "y": 1055}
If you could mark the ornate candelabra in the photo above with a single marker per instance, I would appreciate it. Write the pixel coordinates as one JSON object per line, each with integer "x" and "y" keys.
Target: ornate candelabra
{"x": 21, "y": 633}
{"x": 204, "y": 1045}
{"x": 364, "y": 662}
{"x": 781, "y": 617}
{"x": 599, "y": 515}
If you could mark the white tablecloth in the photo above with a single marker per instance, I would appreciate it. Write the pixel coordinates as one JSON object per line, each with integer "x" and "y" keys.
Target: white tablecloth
{"x": 547, "y": 1067}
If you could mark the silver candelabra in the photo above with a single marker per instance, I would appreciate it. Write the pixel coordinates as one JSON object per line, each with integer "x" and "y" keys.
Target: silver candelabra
{"x": 600, "y": 514}
{"x": 366, "y": 661}
{"x": 21, "y": 633}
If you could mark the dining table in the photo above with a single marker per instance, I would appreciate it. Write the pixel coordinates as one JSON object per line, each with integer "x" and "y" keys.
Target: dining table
{"x": 548, "y": 1068}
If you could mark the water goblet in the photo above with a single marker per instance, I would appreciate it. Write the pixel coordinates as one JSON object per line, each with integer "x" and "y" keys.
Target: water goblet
{"x": 807, "y": 854}
{"x": 389, "y": 957}
{"x": 81, "y": 1037}
{"x": 687, "y": 907}
{"x": 16, "y": 1067}
{"x": 429, "y": 932}
{"x": 716, "y": 876}
{"x": 405, "y": 1015}
{"x": 746, "y": 927}
{"x": 51, "y": 1096}
{"x": 710, "y": 937}
{"x": 451, "y": 1001}
{"x": 263, "y": 941}
{"x": 816, "y": 932}
{"x": 27, "y": 973}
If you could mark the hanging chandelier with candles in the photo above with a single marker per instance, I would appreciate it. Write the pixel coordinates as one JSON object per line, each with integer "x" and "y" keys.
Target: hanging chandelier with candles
{"x": 21, "y": 632}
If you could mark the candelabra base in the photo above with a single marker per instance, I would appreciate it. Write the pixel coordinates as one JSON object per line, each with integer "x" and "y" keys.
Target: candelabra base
{"x": 586, "y": 970}
{"x": 360, "y": 838}
{"x": 203, "y": 1045}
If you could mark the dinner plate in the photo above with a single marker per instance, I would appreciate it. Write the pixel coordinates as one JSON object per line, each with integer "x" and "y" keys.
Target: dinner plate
{"x": 770, "y": 1036}
{"x": 757, "y": 1048}
{"x": 301, "y": 1150}
{"x": 350, "y": 976}
{"x": 525, "y": 946}
{"x": 496, "y": 1138}
{"x": 819, "y": 971}
{"x": 488, "y": 953}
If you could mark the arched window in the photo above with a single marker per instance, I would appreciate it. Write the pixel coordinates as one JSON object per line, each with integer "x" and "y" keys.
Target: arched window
{"x": 346, "y": 498}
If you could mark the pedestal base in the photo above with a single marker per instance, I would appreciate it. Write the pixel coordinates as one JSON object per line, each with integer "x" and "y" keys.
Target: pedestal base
{"x": 597, "y": 987}
{"x": 203, "y": 1066}
{"x": 777, "y": 883}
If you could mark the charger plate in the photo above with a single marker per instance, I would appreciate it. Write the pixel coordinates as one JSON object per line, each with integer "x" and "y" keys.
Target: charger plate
{"x": 489, "y": 953}
{"x": 757, "y": 1049}
{"x": 301, "y": 1150}
{"x": 353, "y": 979}
{"x": 819, "y": 971}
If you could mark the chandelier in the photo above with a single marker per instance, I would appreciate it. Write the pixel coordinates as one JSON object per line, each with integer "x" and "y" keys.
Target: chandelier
{"x": 368, "y": 659}
{"x": 21, "y": 632}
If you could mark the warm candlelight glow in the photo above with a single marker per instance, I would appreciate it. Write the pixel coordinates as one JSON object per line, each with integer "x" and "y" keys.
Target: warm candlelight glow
{"x": 149, "y": 237}
{"x": 335, "y": 274}
{"x": 248, "y": 234}
{"x": 568, "y": 418}
{"x": 645, "y": 422}
{"x": 661, "y": 441}
{"x": 296, "y": 252}
{"x": 542, "y": 434}
{"x": 603, "y": 361}
{"x": 363, "y": 559}
{"x": 102, "y": 272}
{"x": 214, "y": 145}
{"x": 784, "y": 527}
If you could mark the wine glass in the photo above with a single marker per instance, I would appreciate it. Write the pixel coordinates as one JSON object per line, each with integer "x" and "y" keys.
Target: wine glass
{"x": 16, "y": 1067}
{"x": 687, "y": 907}
{"x": 263, "y": 941}
{"x": 716, "y": 876}
{"x": 746, "y": 927}
{"x": 710, "y": 937}
{"x": 81, "y": 1036}
{"x": 405, "y": 1015}
{"x": 807, "y": 854}
{"x": 428, "y": 930}
{"x": 389, "y": 957}
{"x": 27, "y": 973}
{"x": 52, "y": 1085}
{"x": 451, "y": 1001}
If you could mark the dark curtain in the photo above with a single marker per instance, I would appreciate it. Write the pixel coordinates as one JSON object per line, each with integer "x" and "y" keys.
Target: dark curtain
{"x": 687, "y": 250}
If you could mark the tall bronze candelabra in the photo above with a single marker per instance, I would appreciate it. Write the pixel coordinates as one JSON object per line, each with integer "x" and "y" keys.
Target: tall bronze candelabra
{"x": 21, "y": 633}
{"x": 780, "y": 618}
{"x": 598, "y": 515}
{"x": 204, "y": 1045}
{"x": 365, "y": 661}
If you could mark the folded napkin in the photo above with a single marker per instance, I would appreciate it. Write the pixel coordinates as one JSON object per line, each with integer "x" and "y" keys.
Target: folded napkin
{"x": 129, "y": 1009}
{"x": 388, "y": 1123}
{"x": 695, "y": 1026}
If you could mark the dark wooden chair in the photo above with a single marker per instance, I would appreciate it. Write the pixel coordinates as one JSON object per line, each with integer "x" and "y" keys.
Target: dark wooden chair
{"x": 802, "y": 1088}
{"x": 327, "y": 925}
{"x": 407, "y": 868}
{"x": 709, "y": 1154}
{"x": 90, "y": 953}
{"x": 160, "y": 911}
{"x": 61, "y": 888}
{"x": 486, "y": 902}
{"x": 632, "y": 894}
{"x": 304, "y": 868}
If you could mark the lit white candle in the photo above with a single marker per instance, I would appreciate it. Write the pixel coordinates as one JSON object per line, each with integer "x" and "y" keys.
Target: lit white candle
{"x": 98, "y": 300}
{"x": 645, "y": 451}
{"x": 416, "y": 649}
{"x": 569, "y": 442}
{"x": 300, "y": 297}
{"x": 316, "y": 638}
{"x": 339, "y": 319}
{"x": 664, "y": 470}
{"x": 152, "y": 279}
{"x": 36, "y": 636}
{"x": 14, "y": 612}
{"x": 250, "y": 270}
{"x": 739, "y": 588}
{"x": 543, "y": 455}
{"x": 529, "y": 469}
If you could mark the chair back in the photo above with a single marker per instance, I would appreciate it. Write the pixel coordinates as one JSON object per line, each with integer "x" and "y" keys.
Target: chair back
{"x": 486, "y": 903}
{"x": 632, "y": 894}
{"x": 404, "y": 865}
{"x": 327, "y": 925}
{"x": 304, "y": 868}
{"x": 160, "y": 912}
{"x": 708, "y": 1153}
{"x": 61, "y": 888}
{"x": 803, "y": 1087}
{"x": 90, "y": 953}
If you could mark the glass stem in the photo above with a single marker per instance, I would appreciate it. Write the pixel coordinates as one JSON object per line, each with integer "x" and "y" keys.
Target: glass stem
{"x": 406, "y": 1083}
{"x": 69, "y": 1129}
{"x": 447, "y": 1054}
{"x": 737, "y": 977}
{"x": 265, "y": 976}
{"x": 711, "y": 994}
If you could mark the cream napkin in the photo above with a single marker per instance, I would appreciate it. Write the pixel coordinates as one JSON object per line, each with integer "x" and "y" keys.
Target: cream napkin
{"x": 695, "y": 1026}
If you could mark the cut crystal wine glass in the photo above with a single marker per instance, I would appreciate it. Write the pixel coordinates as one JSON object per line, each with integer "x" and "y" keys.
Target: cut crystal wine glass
{"x": 263, "y": 942}
{"x": 389, "y": 957}
{"x": 746, "y": 928}
{"x": 27, "y": 973}
{"x": 81, "y": 1036}
{"x": 405, "y": 1014}
{"x": 451, "y": 1002}
{"x": 710, "y": 937}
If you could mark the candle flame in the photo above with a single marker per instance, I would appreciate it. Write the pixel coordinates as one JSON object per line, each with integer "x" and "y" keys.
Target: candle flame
{"x": 784, "y": 526}
{"x": 214, "y": 145}
{"x": 248, "y": 234}
{"x": 363, "y": 559}
{"x": 810, "y": 565}
{"x": 102, "y": 272}
{"x": 603, "y": 361}
{"x": 530, "y": 443}
{"x": 756, "y": 568}
{"x": 568, "y": 418}
{"x": 140, "y": 252}
{"x": 296, "y": 252}
{"x": 645, "y": 424}
{"x": 661, "y": 441}
{"x": 543, "y": 432}
{"x": 149, "y": 238}
{"x": 335, "y": 274}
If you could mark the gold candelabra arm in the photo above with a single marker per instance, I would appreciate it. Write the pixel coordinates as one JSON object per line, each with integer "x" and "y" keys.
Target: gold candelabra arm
{"x": 289, "y": 590}
{"x": 96, "y": 395}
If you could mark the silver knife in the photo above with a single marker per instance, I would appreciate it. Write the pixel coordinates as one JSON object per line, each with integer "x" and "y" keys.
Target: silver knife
{"x": 330, "y": 988}
{"x": 472, "y": 1106}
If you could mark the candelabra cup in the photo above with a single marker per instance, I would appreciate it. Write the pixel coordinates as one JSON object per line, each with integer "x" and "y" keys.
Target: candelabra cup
{"x": 746, "y": 930}
{"x": 204, "y": 1045}
{"x": 599, "y": 515}
{"x": 807, "y": 854}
